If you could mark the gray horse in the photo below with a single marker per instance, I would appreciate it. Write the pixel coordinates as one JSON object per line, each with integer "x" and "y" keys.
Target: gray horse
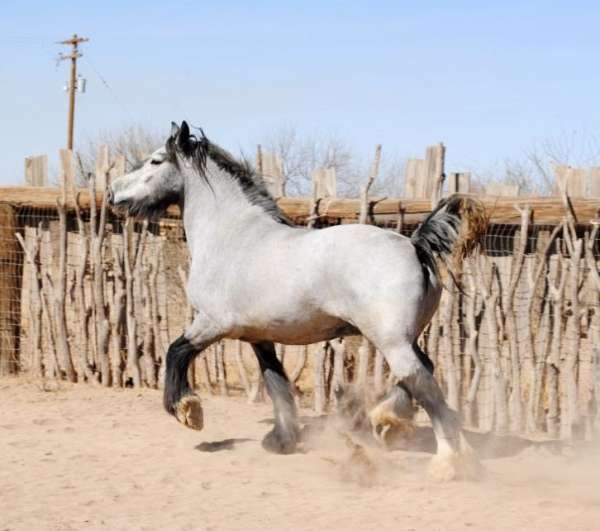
{"x": 256, "y": 277}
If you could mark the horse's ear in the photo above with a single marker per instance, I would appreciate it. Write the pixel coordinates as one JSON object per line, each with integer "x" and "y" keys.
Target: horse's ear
{"x": 174, "y": 130}
{"x": 183, "y": 138}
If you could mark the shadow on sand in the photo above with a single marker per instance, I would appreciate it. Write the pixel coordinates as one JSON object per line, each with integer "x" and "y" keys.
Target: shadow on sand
{"x": 487, "y": 445}
{"x": 217, "y": 446}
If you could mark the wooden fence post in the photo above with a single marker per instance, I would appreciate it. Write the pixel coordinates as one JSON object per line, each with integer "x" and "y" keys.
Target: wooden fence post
{"x": 366, "y": 349}
{"x": 459, "y": 183}
{"x": 36, "y": 171}
{"x": 272, "y": 173}
{"x": 324, "y": 183}
{"x": 436, "y": 157}
{"x": 424, "y": 178}
{"x": 59, "y": 285}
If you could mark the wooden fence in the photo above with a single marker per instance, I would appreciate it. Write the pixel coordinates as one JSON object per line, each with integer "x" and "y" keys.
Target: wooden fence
{"x": 89, "y": 296}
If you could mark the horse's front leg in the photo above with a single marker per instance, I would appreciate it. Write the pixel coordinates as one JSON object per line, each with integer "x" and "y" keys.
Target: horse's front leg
{"x": 179, "y": 399}
{"x": 283, "y": 438}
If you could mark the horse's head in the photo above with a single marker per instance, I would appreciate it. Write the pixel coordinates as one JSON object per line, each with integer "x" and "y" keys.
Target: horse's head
{"x": 158, "y": 182}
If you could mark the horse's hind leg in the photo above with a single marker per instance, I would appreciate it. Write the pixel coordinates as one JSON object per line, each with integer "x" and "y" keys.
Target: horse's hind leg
{"x": 396, "y": 409}
{"x": 178, "y": 398}
{"x": 282, "y": 439}
{"x": 454, "y": 458}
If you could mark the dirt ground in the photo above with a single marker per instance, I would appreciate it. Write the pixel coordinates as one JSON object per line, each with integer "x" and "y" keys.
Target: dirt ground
{"x": 77, "y": 457}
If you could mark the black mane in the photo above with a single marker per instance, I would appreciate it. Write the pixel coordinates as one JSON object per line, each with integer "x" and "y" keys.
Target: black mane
{"x": 251, "y": 183}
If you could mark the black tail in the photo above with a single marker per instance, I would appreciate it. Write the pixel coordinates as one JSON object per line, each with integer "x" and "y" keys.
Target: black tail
{"x": 438, "y": 234}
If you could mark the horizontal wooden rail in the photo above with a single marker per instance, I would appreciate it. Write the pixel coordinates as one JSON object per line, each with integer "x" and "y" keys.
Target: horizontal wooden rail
{"x": 501, "y": 210}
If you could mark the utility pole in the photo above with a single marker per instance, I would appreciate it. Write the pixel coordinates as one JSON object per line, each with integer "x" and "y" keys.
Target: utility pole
{"x": 74, "y": 42}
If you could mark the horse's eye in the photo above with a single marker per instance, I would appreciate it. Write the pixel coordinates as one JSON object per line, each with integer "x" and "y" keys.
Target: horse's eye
{"x": 156, "y": 162}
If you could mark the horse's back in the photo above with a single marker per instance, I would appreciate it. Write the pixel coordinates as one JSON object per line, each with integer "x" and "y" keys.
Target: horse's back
{"x": 371, "y": 255}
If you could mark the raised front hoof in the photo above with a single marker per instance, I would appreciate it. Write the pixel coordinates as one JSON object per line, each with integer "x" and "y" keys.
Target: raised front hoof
{"x": 456, "y": 466}
{"x": 188, "y": 411}
{"x": 279, "y": 441}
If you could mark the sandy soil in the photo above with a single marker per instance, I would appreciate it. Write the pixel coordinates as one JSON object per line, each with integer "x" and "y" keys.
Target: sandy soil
{"x": 83, "y": 458}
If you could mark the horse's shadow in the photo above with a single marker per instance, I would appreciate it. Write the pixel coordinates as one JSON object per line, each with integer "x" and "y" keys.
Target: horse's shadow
{"x": 486, "y": 445}
{"x": 218, "y": 446}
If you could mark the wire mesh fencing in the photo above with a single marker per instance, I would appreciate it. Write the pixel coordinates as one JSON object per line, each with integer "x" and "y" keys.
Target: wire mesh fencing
{"x": 88, "y": 296}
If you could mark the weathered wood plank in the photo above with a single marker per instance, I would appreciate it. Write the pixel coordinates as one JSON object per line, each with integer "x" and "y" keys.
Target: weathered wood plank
{"x": 459, "y": 183}
{"x": 324, "y": 182}
{"x": 36, "y": 170}
{"x": 414, "y": 176}
{"x": 594, "y": 181}
{"x": 574, "y": 180}
{"x": 434, "y": 171}
{"x": 118, "y": 167}
{"x": 502, "y": 190}
{"x": 67, "y": 171}
{"x": 546, "y": 210}
{"x": 424, "y": 177}
{"x": 102, "y": 167}
{"x": 272, "y": 172}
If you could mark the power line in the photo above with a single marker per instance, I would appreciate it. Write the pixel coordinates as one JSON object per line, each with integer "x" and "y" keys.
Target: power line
{"x": 112, "y": 92}
{"x": 36, "y": 39}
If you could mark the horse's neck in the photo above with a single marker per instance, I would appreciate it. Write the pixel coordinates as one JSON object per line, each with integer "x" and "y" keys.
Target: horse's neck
{"x": 212, "y": 215}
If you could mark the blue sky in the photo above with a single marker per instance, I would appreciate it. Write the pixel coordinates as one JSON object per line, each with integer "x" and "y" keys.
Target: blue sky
{"x": 489, "y": 79}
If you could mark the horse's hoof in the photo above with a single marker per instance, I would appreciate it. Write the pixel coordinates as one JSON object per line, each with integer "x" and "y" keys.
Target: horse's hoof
{"x": 390, "y": 431}
{"x": 189, "y": 412}
{"x": 462, "y": 465}
{"x": 279, "y": 441}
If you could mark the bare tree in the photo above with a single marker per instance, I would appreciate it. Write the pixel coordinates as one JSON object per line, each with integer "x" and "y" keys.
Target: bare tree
{"x": 533, "y": 171}
{"x": 301, "y": 155}
{"x": 571, "y": 148}
{"x": 134, "y": 142}
{"x": 511, "y": 171}
{"x": 390, "y": 182}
